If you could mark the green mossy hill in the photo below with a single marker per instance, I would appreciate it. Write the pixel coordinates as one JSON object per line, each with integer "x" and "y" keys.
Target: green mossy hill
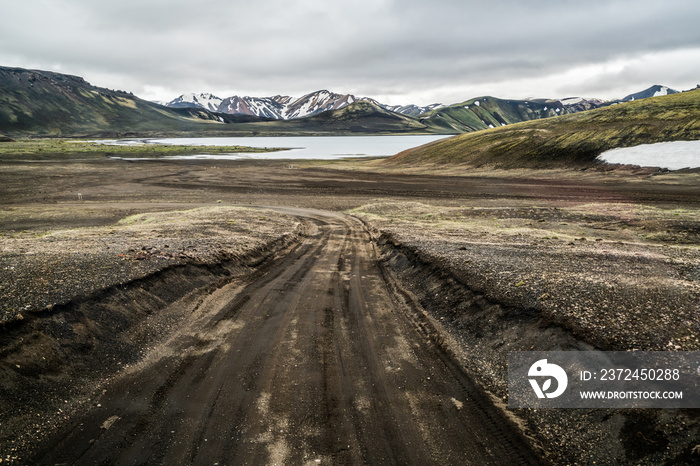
{"x": 490, "y": 112}
{"x": 570, "y": 140}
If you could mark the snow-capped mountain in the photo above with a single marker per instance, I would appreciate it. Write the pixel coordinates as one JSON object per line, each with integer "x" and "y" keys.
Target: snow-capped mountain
{"x": 206, "y": 101}
{"x": 653, "y": 91}
{"x": 280, "y": 107}
{"x": 322, "y": 101}
{"x": 579, "y": 104}
{"x": 318, "y": 102}
{"x": 269, "y": 107}
{"x": 286, "y": 107}
{"x": 411, "y": 110}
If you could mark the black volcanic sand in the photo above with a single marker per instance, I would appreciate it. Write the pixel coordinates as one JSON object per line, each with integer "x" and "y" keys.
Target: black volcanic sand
{"x": 608, "y": 258}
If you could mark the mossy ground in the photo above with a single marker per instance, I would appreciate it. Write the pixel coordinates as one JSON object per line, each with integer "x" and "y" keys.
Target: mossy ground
{"x": 55, "y": 149}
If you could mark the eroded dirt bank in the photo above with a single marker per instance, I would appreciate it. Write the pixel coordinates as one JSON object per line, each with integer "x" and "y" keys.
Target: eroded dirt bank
{"x": 43, "y": 263}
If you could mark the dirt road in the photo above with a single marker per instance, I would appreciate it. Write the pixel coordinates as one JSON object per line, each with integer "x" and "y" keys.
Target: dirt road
{"x": 317, "y": 358}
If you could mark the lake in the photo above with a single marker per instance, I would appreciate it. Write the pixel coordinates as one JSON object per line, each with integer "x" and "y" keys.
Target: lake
{"x": 672, "y": 155}
{"x": 301, "y": 147}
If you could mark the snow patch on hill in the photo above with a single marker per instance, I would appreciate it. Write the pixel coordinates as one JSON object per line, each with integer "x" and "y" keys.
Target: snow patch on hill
{"x": 672, "y": 155}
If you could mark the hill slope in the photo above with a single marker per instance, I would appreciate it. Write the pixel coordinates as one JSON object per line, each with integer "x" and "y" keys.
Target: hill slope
{"x": 570, "y": 140}
{"x": 367, "y": 117}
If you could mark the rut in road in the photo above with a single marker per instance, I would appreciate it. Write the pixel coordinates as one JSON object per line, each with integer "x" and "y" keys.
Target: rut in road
{"x": 315, "y": 361}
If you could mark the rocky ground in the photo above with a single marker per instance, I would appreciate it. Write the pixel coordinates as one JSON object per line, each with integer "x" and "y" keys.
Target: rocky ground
{"x": 619, "y": 276}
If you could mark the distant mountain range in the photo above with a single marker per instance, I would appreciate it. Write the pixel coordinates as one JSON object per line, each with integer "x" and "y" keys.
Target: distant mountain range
{"x": 285, "y": 107}
{"x": 43, "y": 103}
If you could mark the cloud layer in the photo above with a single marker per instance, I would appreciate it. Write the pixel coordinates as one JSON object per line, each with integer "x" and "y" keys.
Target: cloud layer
{"x": 404, "y": 51}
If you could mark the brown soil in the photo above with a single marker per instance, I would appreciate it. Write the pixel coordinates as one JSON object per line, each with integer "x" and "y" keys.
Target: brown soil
{"x": 263, "y": 346}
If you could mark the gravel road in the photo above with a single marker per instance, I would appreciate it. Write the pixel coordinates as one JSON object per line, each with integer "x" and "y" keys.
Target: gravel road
{"x": 313, "y": 360}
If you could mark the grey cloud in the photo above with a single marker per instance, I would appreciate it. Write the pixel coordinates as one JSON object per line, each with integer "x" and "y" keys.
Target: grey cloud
{"x": 292, "y": 47}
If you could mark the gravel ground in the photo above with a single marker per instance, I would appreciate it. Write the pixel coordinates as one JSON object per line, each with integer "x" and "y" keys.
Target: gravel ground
{"x": 40, "y": 269}
{"x": 616, "y": 275}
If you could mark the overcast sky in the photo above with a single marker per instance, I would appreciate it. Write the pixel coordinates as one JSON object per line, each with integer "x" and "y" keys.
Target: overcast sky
{"x": 397, "y": 51}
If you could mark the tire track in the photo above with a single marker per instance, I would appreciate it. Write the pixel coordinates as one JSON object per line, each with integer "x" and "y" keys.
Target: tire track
{"x": 321, "y": 358}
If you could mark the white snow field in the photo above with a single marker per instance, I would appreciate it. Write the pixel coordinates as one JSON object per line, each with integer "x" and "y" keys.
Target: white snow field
{"x": 672, "y": 155}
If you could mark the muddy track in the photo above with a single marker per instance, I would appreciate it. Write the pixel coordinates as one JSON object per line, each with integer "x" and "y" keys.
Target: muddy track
{"x": 319, "y": 360}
